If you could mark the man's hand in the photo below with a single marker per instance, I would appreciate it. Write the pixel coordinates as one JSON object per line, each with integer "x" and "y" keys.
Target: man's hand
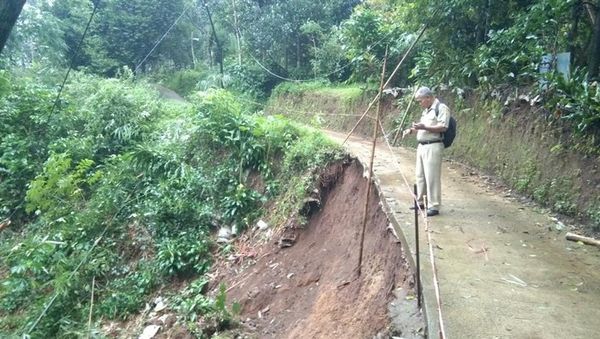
{"x": 419, "y": 125}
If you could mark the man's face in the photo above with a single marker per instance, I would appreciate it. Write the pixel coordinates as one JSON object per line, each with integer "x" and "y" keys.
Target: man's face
{"x": 425, "y": 102}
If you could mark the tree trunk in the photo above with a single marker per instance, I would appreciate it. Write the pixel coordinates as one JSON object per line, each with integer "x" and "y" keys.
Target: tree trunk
{"x": 314, "y": 41}
{"x": 219, "y": 54}
{"x": 9, "y": 12}
{"x": 572, "y": 36}
{"x": 585, "y": 240}
{"x": 286, "y": 60}
{"x": 484, "y": 21}
{"x": 238, "y": 37}
{"x": 192, "y": 47}
{"x": 298, "y": 51}
{"x": 591, "y": 12}
{"x": 210, "y": 53}
{"x": 595, "y": 46}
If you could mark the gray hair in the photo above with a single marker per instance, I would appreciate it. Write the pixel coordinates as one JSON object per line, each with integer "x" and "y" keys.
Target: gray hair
{"x": 423, "y": 92}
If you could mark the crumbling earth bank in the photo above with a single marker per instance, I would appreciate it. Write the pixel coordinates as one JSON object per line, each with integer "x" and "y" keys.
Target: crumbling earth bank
{"x": 311, "y": 289}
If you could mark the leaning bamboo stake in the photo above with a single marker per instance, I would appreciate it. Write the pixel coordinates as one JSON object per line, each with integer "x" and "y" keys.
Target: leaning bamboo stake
{"x": 585, "y": 240}
{"x": 369, "y": 179}
{"x": 412, "y": 99}
{"x": 386, "y": 83}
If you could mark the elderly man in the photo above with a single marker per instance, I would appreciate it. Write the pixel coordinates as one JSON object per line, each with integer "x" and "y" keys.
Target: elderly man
{"x": 435, "y": 119}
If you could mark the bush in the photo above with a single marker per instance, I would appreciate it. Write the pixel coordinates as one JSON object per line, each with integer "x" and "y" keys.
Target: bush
{"x": 217, "y": 316}
{"x": 123, "y": 190}
{"x": 577, "y": 102}
{"x": 185, "y": 82}
{"x": 126, "y": 295}
{"x": 251, "y": 80}
{"x": 185, "y": 254}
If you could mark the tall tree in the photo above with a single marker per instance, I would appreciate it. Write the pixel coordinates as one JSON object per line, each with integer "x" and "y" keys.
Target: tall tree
{"x": 9, "y": 12}
{"x": 144, "y": 33}
{"x": 219, "y": 54}
{"x": 594, "y": 63}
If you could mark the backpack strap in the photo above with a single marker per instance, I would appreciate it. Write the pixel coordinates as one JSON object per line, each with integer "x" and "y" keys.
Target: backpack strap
{"x": 437, "y": 112}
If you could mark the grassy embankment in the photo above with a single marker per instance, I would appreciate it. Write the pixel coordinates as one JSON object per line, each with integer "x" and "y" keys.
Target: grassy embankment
{"x": 114, "y": 196}
{"x": 528, "y": 150}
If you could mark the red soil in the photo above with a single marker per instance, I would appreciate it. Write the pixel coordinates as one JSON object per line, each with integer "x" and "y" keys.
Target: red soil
{"x": 311, "y": 290}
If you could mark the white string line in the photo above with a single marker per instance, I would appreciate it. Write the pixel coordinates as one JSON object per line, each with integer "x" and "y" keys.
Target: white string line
{"x": 87, "y": 254}
{"x": 429, "y": 240}
{"x": 368, "y": 49}
{"x": 305, "y": 112}
{"x": 412, "y": 99}
{"x": 387, "y": 82}
{"x": 162, "y": 38}
{"x": 397, "y": 162}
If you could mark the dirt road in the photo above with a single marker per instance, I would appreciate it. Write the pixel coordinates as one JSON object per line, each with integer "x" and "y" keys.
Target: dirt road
{"x": 504, "y": 267}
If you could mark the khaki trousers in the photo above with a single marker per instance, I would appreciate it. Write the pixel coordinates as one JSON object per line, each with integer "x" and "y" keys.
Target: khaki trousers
{"x": 429, "y": 174}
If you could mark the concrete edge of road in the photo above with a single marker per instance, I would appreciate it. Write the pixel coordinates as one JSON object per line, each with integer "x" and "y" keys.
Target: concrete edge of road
{"x": 406, "y": 235}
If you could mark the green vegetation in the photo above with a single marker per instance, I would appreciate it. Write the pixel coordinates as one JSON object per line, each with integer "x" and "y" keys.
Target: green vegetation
{"x": 108, "y": 184}
{"x": 250, "y": 47}
{"x": 124, "y": 190}
{"x": 343, "y": 92}
{"x": 593, "y": 213}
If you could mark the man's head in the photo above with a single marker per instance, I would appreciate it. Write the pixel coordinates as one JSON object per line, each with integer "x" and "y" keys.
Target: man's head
{"x": 425, "y": 97}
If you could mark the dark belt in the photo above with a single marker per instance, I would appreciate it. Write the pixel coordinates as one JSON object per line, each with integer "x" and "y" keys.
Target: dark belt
{"x": 429, "y": 142}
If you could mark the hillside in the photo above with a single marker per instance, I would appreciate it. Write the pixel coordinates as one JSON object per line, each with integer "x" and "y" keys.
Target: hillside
{"x": 515, "y": 143}
{"x": 184, "y": 169}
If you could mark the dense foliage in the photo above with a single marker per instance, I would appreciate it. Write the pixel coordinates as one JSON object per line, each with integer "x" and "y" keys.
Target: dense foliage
{"x": 111, "y": 185}
{"x": 119, "y": 188}
{"x": 250, "y": 46}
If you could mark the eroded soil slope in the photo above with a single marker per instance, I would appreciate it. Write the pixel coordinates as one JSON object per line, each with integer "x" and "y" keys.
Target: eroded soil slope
{"x": 504, "y": 267}
{"x": 311, "y": 289}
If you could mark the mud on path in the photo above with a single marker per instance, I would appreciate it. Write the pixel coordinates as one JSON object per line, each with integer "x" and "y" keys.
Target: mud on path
{"x": 311, "y": 290}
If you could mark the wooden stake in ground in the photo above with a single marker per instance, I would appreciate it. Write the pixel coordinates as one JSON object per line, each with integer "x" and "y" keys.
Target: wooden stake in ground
{"x": 585, "y": 240}
{"x": 369, "y": 179}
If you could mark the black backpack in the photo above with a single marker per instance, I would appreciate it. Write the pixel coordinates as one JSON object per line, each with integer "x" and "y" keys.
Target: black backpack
{"x": 450, "y": 133}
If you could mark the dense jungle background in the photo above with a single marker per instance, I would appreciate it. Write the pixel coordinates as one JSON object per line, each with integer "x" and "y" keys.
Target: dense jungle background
{"x": 110, "y": 192}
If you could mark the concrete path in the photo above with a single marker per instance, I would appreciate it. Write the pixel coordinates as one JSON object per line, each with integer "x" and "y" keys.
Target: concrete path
{"x": 504, "y": 267}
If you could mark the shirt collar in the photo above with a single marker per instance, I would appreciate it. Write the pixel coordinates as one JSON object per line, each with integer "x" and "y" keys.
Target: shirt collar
{"x": 433, "y": 105}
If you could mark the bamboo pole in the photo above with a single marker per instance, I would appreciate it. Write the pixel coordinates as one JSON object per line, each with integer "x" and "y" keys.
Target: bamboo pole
{"x": 386, "y": 83}
{"x": 583, "y": 239}
{"x": 412, "y": 99}
{"x": 369, "y": 179}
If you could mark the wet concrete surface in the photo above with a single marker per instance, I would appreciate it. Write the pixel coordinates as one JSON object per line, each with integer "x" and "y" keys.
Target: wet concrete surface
{"x": 504, "y": 267}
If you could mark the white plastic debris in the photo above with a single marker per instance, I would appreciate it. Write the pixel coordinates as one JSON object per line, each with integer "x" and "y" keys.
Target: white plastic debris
{"x": 262, "y": 225}
{"x": 149, "y": 332}
{"x": 224, "y": 234}
{"x": 160, "y": 306}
